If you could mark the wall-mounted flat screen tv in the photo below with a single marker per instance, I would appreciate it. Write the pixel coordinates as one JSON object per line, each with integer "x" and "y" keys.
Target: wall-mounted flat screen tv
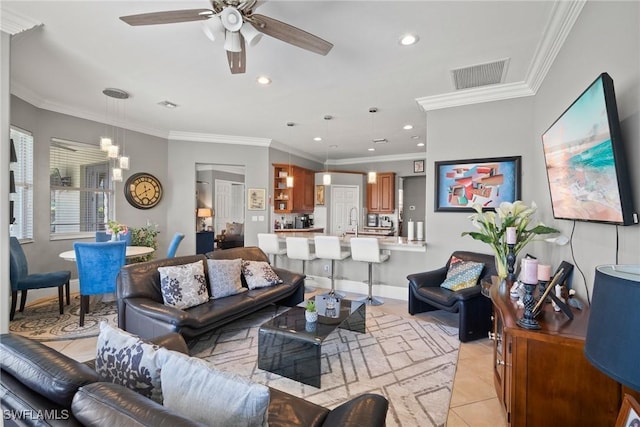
{"x": 585, "y": 159}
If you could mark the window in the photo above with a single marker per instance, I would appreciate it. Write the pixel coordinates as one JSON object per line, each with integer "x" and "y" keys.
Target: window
{"x": 22, "y": 199}
{"x": 81, "y": 194}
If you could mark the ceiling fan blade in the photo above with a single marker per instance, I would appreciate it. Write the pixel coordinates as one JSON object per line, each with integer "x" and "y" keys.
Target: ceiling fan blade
{"x": 168, "y": 17}
{"x": 238, "y": 60}
{"x": 290, "y": 34}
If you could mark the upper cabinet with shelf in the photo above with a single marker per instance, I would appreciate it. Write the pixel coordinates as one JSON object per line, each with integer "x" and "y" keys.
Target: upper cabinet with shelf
{"x": 381, "y": 195}
{"x": 298, "y": 199}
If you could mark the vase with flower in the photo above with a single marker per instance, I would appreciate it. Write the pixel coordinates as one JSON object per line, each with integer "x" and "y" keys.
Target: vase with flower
{"x": 507, "y": 230}
{"x": 115, "y": 229}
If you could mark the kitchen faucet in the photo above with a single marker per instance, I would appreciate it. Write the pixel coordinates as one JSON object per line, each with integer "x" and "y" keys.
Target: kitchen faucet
{"x": 351, "y": 218}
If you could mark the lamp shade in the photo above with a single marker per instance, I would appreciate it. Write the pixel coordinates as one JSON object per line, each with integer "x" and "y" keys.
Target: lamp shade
{"x": 232, "y": 42}
{"x": 205, "y": 212}
{"x": 612, "y": 344}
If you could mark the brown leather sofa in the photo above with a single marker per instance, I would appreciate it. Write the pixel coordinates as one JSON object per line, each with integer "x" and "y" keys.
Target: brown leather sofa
{"x": 142, "y": 312}
{"x": 41, "y": 387}
{"x": 425, "y": 294}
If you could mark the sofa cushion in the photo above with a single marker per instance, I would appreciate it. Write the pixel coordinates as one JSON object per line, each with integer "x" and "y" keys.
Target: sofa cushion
{"x": 462, "y": 274}
{"x": 125, "y": 359}
{"x": 42, "y": 369}
{"x": 259, "y": 274}
{"x": 225, "y": 277}
{"x": 184, "y": 286}
{"x": 194, "y": 388}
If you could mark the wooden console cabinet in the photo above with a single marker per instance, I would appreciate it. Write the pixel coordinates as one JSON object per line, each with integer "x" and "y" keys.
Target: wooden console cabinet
{"x": 541, "y": 376}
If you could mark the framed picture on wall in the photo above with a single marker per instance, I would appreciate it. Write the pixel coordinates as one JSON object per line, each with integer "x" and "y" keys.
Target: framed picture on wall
{"x": 462, "y": 183}
{"x": 629, "y": 415}
{"x": 256, "y": 199}
{"x": 418, "y": 166}
{"x": 319, "y": 195}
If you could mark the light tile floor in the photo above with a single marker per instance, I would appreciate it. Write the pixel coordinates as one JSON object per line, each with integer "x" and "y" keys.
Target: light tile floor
{"x": 473, "y": 401}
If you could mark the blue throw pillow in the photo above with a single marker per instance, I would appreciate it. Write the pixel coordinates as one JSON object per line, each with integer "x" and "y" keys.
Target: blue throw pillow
{"x": 462, "y": 274}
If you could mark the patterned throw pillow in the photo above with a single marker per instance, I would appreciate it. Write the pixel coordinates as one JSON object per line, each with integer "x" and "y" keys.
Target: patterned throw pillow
{"x": 194, "y": 388}
{"x": 462, "y": 274}
{"x": 183, "y": 286}
{"x": 125, "y": 359}
{"x": 224, "y": 277}
{"x": 259, "y": 274}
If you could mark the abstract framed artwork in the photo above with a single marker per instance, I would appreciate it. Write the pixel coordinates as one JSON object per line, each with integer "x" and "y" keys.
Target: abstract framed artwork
{"x": 462, "y": 183}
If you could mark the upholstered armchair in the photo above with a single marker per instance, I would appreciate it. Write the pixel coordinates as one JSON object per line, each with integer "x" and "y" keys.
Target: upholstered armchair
{"x": 426, "y": 294}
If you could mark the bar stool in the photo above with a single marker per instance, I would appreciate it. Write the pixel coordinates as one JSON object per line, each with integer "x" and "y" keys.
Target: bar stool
{"x": 328, "y": 247}
{"x": 367, "y": 249}
{"x": 270, "y": 245}
{"x": 299, "y": 248}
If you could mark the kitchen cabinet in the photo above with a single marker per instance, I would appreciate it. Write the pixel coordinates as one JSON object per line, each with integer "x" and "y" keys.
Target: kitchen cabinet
{"x": 542, "y": 377}
{"x": 300, "y": 198}
{"x": 381, "y": 195}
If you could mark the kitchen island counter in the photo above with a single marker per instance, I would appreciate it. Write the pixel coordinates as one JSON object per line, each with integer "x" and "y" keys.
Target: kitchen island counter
{"x": 391, "y": 243}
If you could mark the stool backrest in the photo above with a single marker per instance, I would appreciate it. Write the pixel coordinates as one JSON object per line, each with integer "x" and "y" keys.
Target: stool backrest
{"x": 365, "y": 249}
{"x": 269, "y": 243}
{"x": 298, "y": 248}
{"x": 327, "y": 247}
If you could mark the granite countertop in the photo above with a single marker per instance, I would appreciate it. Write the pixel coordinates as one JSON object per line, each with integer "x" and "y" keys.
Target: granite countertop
{"x": 300, "y": 230}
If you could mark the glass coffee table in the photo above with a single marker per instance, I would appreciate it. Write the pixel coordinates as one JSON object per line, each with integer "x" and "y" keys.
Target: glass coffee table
{"x": 291, "y": 347}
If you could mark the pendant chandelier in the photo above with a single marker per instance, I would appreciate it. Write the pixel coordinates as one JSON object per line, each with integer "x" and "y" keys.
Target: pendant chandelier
{"x": 372, "y": 176}
{"x": 289, "y": 179}
{"x": 326, "y": 178}
{"x": 111, "y": 141}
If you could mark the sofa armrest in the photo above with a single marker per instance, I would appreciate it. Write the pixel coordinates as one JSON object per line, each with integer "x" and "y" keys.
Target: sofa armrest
{"x": 428, "y": 278}
{"x": 172, "y": 341}
{"x": 365, "y": 410}
{"x": 114, "y": 405}
{"x": 156, "y": 310}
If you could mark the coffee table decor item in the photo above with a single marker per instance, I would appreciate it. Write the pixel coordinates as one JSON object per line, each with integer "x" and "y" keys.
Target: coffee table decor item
{"x": 311, "y": 314}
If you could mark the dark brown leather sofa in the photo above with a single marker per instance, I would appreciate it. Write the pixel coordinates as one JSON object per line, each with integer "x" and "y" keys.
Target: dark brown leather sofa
{"x": 425, "y": 294}
{"x": 142, "y": 312}
{"x": 41, "y": 387}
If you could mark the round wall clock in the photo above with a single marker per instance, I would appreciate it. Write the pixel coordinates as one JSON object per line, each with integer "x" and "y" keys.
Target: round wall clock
{"x": 143, "y": 190}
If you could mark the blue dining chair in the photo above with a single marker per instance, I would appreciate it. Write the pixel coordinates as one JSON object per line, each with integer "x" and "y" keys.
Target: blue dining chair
{"x": 22, "y": 281}
{"x": 98, "y": 266}
{"x": 175, "y": 242}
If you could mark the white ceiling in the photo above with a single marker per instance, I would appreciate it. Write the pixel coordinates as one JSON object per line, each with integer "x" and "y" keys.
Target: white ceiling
{"x": 82, "y": 48}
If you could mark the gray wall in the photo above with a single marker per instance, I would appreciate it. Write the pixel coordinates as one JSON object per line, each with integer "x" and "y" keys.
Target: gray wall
{"x": 5, "y": 85}
{"x": 605, "y": 38}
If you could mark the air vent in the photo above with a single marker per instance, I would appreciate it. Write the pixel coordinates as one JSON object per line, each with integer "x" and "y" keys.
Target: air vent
{"x": 478, "y": 75}
{"x": 380, "y": 141}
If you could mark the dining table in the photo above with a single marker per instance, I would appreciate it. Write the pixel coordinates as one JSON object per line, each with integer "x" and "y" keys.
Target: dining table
{"x": 132, "y": 252}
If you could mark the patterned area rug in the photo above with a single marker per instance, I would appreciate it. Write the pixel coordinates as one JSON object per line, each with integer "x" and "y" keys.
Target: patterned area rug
{"x": 42, "y": 321}
{"x": 411, "y": 362}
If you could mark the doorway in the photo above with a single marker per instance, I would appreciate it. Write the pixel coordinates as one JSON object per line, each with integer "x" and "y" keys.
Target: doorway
{"x": 344, "y": 199}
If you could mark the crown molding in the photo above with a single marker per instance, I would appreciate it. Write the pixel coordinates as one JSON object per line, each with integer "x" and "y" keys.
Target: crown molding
{"x": 285, "y": 148}
{"x": 219, "y": 139}
{"x": 563, "y": 16}
{"x": 377, "y": 159}
{"x": 14, "y": 23}
{"x": 561, "y": 20}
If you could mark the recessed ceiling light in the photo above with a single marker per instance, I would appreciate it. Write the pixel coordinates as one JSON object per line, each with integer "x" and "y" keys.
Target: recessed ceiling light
{"x": 168, "y": 104}
{"x": 371, "y": 149}
{"x": 264, "y": 80}
{"x": 317, "y": 139}
{"x": 420, "y": 144}
{"x": 409, "y": 39}
{"x": 407, "y": 127}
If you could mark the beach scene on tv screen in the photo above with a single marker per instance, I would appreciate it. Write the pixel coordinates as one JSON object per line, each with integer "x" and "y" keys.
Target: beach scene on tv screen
{"x": 580, "y": 161}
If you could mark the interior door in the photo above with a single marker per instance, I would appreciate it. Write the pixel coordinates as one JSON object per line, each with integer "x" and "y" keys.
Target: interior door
{"x": 344, "y": 206}
{"x": 229, "y": 203}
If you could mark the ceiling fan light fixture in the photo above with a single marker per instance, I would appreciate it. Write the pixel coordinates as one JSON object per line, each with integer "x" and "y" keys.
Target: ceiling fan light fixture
{"x": 232, "y": 42}
{"x": 231, "y": 18}
{"x": 213, "y": 28}
{"x": 250, "y": 34}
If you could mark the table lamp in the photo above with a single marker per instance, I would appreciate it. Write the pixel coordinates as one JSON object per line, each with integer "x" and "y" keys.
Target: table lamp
{"x": 204, "y": 213}
{"x": 612, "y": 344}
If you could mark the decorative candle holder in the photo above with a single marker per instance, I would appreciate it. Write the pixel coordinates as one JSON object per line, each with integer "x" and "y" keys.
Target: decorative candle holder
{"x": 527, "y": 320}
{"x": 511, "y": 260}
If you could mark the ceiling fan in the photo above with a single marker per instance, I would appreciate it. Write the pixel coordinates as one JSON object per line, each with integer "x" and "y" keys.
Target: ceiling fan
{"x": 235, "y": 21}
